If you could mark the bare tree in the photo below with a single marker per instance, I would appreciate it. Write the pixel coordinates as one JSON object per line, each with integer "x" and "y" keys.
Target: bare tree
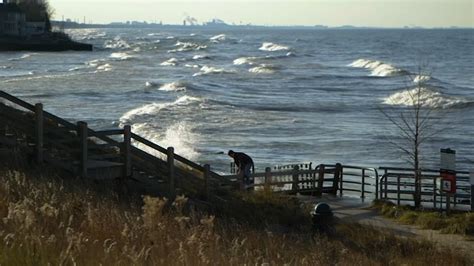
{"x": 415, "y": 124}
{"x": 38, "y": 11}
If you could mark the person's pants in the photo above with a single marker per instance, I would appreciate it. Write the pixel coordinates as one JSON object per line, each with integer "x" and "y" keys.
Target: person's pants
{"x": 248, "y": 179}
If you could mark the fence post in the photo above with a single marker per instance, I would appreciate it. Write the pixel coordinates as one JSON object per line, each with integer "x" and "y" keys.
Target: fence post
{"x": 171, "y": 172}
{"x": 39, "y": 126}
{"x": 295, "y": 177}
{"x": 434, "y": 192}
{"x": 376, "y": 184}
{"x": 320, "y": 180}
{"x": 83, "y": 135}
{"x": 127, "y": 148}
{"x": 398, "y": 190}
{"x": 337, "y": 174}
{"x": 386, "y": 186}
{"x": 341, "y": 189}
{"x": 362, "y": 195}
{"x": 471, "y": 178}
{"x": 207, "y": 175}
{"x": 268, "y": 177}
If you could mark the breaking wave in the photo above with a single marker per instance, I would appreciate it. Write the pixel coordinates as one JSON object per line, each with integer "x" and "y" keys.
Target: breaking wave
{"x": 379, "y": 69}
{"x": 170, "y": 62}
{"x": 121, "y": 56}
{"x": 104, "y": 68}
{"x": 187, "y": 46}
{"x": 263, "y": 69}
{"x": 218, "y": 38}
{"x": 245, "y": 60}
{"x": 155, "y": 108}
{"x": 173, "y": 86}
{"x": 272, "y": 47}
{"x": 200, "y": 56}
{"x": 428, "y": 98}
{"x": 206, "y": 70}
{"x": 180, "y": 136}
{"x": 25, "y": 56}
{"x": 421, "y": 78}
{"x": 116, "y": 43}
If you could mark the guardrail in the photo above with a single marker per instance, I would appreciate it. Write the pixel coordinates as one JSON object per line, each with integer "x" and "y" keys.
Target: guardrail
{"x": 398, "y": 184}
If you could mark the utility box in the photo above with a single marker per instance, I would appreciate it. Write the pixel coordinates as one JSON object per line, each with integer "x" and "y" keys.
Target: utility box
{"x": 448, "y": 171}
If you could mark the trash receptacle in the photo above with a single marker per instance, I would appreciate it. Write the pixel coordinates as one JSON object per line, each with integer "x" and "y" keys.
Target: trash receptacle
{"x": 322, "y": 217}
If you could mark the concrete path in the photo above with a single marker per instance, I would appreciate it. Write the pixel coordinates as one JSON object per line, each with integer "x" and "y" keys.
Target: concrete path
{"x": 356, "y": 210}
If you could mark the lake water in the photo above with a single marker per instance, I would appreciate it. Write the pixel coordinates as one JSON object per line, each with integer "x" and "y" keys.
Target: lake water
{"x": 279, "y": 95}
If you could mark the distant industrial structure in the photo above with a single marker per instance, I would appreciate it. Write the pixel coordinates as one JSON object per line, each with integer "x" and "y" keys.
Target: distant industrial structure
{"x": 15, "y": 22}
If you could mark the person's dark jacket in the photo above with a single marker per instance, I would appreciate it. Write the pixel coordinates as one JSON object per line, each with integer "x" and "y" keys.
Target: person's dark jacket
{"x": 241, "y": 159}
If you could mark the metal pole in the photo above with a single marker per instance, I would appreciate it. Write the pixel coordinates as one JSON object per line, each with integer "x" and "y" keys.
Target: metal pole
{"x": 398, "y": 190}
{"x": 363, "y": 184}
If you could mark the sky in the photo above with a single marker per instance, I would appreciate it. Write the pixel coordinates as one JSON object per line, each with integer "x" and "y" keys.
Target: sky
{"x": 373, "y": 13}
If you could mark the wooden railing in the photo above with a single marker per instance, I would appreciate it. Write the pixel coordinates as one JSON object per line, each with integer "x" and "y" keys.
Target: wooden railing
{"x": 169, "y": 163}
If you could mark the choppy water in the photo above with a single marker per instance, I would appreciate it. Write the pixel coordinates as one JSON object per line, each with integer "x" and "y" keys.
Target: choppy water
{"x": 279, "y": 95}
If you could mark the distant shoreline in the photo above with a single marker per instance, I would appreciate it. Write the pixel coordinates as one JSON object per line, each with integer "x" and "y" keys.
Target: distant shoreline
{"x": 74, "y": 25}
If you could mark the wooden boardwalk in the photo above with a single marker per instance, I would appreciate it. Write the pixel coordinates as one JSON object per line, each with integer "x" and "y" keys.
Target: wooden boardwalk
{"x": 121, "y": 154}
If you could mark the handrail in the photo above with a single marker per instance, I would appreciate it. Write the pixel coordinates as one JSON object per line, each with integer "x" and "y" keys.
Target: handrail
{"x": 412, "y": 169}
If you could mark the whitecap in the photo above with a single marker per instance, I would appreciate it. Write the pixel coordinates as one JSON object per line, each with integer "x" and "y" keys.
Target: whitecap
{"x": 263, "y": 69}
{"x": 200, "y": 56}
{"x": 187, "y": 46}
{"x": 173, "y": 86}
{"x": 192, "y": 66}
{"x": 218, "y": 38}
{"x": 421, "y": 78}
{"x": 151, "y": 84}
{"x": 427, "y": 97}
{"x": 170, "y": 62}
{"x": 155, "y": 108}
{"x": 272, "y": 47}
{"x": 245, "y": 60}
{"x": 24, "y": 56}
{"x": 104, "y": 68}
{"x": 116, "y": 43}
{"x": 205, "y": 70}
{"x": 121, "y": 56}
{"x": 379, "y": 69}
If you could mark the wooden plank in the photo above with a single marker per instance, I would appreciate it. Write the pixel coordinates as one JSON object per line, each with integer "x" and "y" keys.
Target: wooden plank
{"x": 39, "y": 123}
{"x": 126, "y": 150}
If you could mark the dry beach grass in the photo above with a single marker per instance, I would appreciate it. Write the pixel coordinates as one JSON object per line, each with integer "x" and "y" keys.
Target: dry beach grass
{"x": 49, "y": 220}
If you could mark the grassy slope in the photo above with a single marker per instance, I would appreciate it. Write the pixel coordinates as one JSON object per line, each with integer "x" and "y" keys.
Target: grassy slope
{"x": 457, "y": 223}
{"x": 52, "y": 220}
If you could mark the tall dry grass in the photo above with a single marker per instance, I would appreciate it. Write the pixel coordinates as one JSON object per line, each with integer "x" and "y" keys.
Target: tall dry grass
{"x": 52, "y": 221}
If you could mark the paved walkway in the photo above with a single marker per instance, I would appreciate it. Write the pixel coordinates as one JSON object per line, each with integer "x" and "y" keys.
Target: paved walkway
{"x": 355, "y": 210}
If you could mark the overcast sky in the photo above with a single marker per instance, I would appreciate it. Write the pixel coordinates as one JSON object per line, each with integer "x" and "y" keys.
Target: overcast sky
{"x": 381, "y": 13}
